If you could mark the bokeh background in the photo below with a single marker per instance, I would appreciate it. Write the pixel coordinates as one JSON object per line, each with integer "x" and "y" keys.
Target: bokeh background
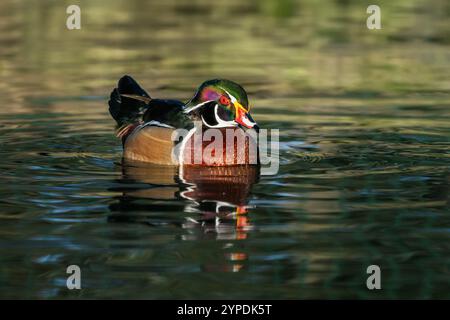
{"x": 364, "y": 178}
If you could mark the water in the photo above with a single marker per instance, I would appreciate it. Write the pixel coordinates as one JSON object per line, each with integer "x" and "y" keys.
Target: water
{"x": 364, "y": 175}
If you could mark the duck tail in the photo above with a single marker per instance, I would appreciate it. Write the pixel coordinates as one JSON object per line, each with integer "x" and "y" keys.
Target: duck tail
{"x": 128, "y": 102}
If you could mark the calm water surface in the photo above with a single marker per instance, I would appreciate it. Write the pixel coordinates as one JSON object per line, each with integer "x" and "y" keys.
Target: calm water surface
{"x": 364, "y": 119}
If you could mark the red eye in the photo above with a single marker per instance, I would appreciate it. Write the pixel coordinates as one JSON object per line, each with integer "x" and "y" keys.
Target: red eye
{"x": 224, "y": 101}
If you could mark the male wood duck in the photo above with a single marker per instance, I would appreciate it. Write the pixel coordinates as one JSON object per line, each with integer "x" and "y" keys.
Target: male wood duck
{"x": 146, "y": 125}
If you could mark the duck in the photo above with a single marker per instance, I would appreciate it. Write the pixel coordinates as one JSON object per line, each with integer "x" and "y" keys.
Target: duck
{"x": 213, "y": 128}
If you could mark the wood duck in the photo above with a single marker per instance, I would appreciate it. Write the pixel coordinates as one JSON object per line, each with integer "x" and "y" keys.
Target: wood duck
{"x": 146, "y": 125}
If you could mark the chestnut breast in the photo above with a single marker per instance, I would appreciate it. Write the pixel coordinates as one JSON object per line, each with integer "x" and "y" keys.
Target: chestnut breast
{"x": 217, "y": 147}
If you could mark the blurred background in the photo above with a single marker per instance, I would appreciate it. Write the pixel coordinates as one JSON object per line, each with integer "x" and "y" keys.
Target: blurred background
{"x": 364, "y": 177}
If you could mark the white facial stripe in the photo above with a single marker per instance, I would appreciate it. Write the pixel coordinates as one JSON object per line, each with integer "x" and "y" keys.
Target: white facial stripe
{"x": 220, "y": 123}
{"x": 196, "y": 106}
{"x": 233, "y": 99}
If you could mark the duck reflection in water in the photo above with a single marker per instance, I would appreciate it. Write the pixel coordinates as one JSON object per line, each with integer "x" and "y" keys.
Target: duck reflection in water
{"x": 215, "y": 199}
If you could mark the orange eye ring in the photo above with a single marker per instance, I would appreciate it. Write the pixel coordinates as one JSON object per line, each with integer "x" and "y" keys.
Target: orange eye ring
{"x": 224, "y": 101}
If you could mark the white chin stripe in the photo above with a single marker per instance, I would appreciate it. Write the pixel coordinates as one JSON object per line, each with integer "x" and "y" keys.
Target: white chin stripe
{"x": 247, "y": 122}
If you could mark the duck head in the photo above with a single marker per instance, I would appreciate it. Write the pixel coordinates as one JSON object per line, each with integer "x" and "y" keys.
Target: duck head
{"x": 221, "y": 103}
